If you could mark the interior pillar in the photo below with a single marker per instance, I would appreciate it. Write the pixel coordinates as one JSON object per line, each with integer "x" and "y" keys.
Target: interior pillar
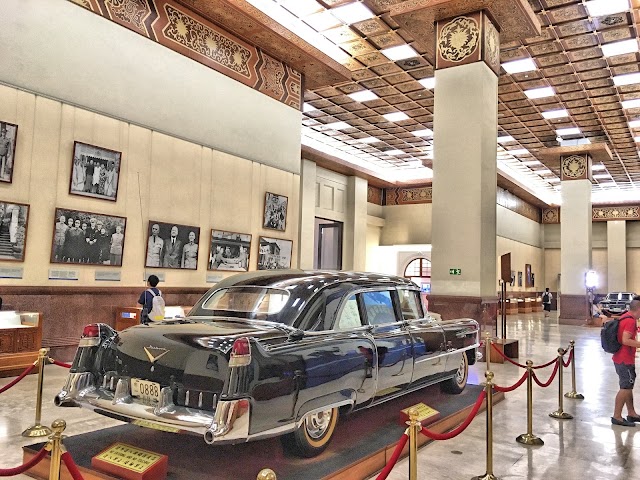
{"x": 463, "y": 272}
{"x": 308, "y": 173}
{"x": 617, "y": 256}
{"x": 355, "y": 228}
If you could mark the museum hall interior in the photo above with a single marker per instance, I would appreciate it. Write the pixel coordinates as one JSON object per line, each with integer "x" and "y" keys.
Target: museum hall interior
{"x": 319, "y": 239}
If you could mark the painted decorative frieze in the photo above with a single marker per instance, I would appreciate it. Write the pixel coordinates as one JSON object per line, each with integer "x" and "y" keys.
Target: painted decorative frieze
{"x": 510, "y": 201}
{"x": 408, "y": 196}
{"x": 175, "y": 27}
{"x": 603, "y": 214}
{"x": 374, "y": 195}
{"x": 551, "y": 215}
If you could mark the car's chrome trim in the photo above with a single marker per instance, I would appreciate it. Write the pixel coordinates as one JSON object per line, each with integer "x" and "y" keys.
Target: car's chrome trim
{"x": 446, "y": 354}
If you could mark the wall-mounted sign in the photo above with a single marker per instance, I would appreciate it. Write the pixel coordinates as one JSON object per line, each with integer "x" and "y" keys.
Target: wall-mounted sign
{"x": 107, "y": 276}
{"x": 56, "y": 274}
{"x": 455, "y": 271}
{"x": 11, "y": 272}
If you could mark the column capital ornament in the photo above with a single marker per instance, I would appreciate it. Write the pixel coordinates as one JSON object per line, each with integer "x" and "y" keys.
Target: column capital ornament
{"x": 551, "y": 215}
{"x": 468, "y": 39}
{"x": 575, "y": 167}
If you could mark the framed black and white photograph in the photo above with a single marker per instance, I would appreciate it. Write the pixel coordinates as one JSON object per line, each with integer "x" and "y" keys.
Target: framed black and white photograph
{"x": 8, "y": 137}
{"x": 229, "y": 251}
{"x": 89, "y": 238}
{"x": 275, "y": 211}
{"x": 13, "y": 231}
{"x": 275, "y": 253}
{"x": 171, "y": 245}
{"x": 95, "y": 172}
{"x": 519, "y": 279}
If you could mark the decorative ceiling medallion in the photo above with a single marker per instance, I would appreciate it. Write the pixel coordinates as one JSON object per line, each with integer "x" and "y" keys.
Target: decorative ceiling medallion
{"x": 574, "y": 167}
{"x": 551, "y": 215}
{"x": 459, "y": 39}
{"x": 492, "y": 45}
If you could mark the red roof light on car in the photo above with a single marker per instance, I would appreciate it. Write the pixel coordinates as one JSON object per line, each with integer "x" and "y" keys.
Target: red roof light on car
{"x": 91, "y": 331}
{"x": 240, "y": 353}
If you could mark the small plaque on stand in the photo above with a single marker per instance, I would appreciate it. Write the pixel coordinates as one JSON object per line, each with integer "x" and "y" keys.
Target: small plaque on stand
{"x": 426, "y": 414}
{"x": 131, "y": 463}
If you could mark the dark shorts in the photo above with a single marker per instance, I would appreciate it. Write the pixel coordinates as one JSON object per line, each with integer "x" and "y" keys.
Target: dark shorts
{"x": 547, "y": 307}
{"x": 626, "y": 374}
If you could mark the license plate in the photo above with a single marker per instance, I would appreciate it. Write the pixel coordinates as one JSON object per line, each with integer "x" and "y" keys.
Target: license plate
{"x": 147, "y": 391}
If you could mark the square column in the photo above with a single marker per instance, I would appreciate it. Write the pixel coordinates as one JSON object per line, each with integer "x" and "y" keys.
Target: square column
{"x": 617, "y": 255}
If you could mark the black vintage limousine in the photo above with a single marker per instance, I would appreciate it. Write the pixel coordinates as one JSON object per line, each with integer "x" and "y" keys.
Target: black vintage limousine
{"x": 267, "y": 354}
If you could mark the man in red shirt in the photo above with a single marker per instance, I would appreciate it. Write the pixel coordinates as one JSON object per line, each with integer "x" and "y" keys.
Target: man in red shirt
{"x": 625, "y": 363}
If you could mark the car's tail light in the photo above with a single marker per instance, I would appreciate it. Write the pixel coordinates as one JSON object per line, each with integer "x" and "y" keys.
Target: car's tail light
{"x": 240, "y": 353}
{"x": 90, "y": 336}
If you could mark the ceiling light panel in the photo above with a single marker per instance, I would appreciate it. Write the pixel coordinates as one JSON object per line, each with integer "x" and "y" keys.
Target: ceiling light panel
{"x": 628, "y": 79}
{"x": 394, "y": 152}
{"x": 428, "y": 83}
{"x": 336, "y": 126}
{"x": 427, "y": 132}
{"x": 600, "y": 8}
{"x": 400, "y": 52}
{"x": 602, "y": 175}
{"x": 368, "y": 140}
{"x": 540, "y": 92}
{"x": 505, "y": 139}
{"x": 322, "y": 21}
{"x": 520, "y": 66}
{"x": 634, "y": 124}
{"x": 307, "y": 107}
{"x": 565, "y": 132}
{"x": 519, "y": 151}
{"x": 363, "y": 96}
{"x": 531, "y": 162}
{"x": 352, "y": 13}
{"x": 302, "y": 8}
{"x": 551, "y": 114}
{"x": 396, "y": 116}
{"x": 635, "y": 103}
{"x": 620, "y": 48}
{"x": 598, "y": 167}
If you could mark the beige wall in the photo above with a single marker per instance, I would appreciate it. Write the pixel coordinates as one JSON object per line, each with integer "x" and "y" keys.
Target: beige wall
{"x": 551, "y": 269}
{"x": 406, "y": 224}
{"x": 633, "y": 269}
{"x": 162, "y": 178}
{"x": 521, "y": 254}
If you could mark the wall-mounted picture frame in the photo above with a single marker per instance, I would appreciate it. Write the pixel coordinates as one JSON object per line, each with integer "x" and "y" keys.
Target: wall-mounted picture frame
{"x": 8, "y": 140}
{"x": 95, "y": 172}
{"x": 519, "y": 279}
{"x": 87, "y": 238}
{"x": 275, "y": 211}
{"x": 172, "y": 245}
{"x": 528, "y": 276}
{"x": 14, "y": 218}
{"x": 229, "y": 251}
{"x": 274, "y": 253}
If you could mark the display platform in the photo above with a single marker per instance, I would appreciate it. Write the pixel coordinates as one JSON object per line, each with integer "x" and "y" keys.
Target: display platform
{"x": 362, "y": 443}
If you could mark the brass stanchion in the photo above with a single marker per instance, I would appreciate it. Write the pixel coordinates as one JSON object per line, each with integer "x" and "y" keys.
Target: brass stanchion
{"x": 414, "y": 429}
{"x": 487, "y": 349}
{"x": 529, "y": 438}
{"x": 267, "y": 474}
{"x": 489, "y": 389}
{"x": 39, "y": 430}
{"x": 560, "y": 413}
{"x": 573, "y": 393}
{"x": 55, "y": 443}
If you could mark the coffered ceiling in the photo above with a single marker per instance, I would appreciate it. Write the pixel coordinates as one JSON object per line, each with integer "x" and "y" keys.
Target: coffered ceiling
{"x": 387, "y": 130}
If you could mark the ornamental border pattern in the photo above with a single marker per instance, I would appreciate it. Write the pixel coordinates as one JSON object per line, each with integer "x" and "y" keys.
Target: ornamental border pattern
{"x": 375, "y": 195}
{"x": 168, "y": 23}
{"x": 622, "y": 212}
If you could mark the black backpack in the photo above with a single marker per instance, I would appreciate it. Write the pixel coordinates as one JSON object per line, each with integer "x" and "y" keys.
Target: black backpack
{"x": 609, "y": 336}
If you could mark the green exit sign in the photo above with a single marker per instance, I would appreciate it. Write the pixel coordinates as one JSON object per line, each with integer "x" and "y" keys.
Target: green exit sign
{"x": 455, "y": 271}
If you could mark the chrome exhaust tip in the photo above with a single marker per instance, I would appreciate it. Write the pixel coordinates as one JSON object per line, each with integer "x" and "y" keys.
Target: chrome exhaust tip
{"x": 209, "y": 437}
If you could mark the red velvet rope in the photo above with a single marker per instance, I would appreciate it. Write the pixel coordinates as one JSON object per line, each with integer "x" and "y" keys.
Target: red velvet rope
{"x": 519, "y": 364}
{"x": 512, "y": 387}
{"x": 394, "y": 458}
{"x": 460, "y": 428}
{"x": 568, "y": 359}
{"x": 60, "y": 364}
{"x": 71, "y": 466}
{"x": 10, "y": 472}
{"x": 546, "y": 384}
{"x": 16, "y": 380}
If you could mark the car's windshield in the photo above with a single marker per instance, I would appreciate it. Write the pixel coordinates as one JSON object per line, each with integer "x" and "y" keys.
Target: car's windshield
{"x": 255, "y": 302}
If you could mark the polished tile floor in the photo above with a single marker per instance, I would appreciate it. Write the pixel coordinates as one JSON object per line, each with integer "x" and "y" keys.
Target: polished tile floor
{"x": 586, "y": 447}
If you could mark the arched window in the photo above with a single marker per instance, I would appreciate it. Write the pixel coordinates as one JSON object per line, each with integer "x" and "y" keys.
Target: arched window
{"x": 419, "y": 267}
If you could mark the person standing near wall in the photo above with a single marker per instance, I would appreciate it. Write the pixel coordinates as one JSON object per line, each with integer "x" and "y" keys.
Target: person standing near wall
{"x": 546, "y": 301}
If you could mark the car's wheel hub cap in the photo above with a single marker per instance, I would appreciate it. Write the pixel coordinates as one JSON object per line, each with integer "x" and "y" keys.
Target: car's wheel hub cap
{"x": 460, "y": 374}
{"x": 318, "y": 423}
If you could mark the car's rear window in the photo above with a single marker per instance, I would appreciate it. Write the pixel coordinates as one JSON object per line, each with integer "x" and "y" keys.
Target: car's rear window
{"x": 252, "y": 300}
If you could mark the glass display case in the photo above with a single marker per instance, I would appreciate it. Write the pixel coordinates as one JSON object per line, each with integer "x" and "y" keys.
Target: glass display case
{"x": 20, "y": 340}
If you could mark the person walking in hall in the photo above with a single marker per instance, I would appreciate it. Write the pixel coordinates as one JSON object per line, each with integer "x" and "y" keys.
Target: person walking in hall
{"x": 151, "y": 301}
{"x": 624, "y": 361}
{"x": 546, "y": 302}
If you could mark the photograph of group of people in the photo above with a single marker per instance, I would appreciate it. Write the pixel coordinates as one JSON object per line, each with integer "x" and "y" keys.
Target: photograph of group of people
{"x": 229, "y": 251}
{"x": 13, "y": 230}
{"x": 275, "y": 253}
{"x": 172, "y": 246}
{"x": 95, "y": 172}
{"x": 275, "y": 211}
{"x": 8, "y": 137}
{"x": 90, "y": 238}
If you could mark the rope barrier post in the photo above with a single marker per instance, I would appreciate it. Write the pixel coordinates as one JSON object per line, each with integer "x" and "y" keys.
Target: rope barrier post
{"x": 39, "y": 430}
{"x": 489, "y": 391}
{"x": 573, "y": 393}
{"x": 57, "y": 449}
{"x": 487, "y": 348}
{"x": 529, "y": 438}
{"x": 267, "y": 474}
{"x": 415, "y": 428}
{"x": 560, "y": 413}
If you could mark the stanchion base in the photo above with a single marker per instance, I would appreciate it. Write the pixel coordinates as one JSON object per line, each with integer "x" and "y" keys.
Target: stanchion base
{"x": 561, "y": 415}
{"x": 529, "y": 439}
{"x": 575, "y": 395}
{"x": 37, "y": 431}
{"x": 486, "y": 476}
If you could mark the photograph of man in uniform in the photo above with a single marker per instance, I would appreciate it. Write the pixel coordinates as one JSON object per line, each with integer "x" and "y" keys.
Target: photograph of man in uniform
{"x": 154, "y": 247}
{"x": 8, "y": 134}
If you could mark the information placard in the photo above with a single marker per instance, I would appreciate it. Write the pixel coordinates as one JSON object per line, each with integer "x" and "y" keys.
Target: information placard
{"x": 57, "y": 274}
{"x": 132, "y": 463}
{"x": 11, "y": 272}
{"x": 107, "y": 276}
